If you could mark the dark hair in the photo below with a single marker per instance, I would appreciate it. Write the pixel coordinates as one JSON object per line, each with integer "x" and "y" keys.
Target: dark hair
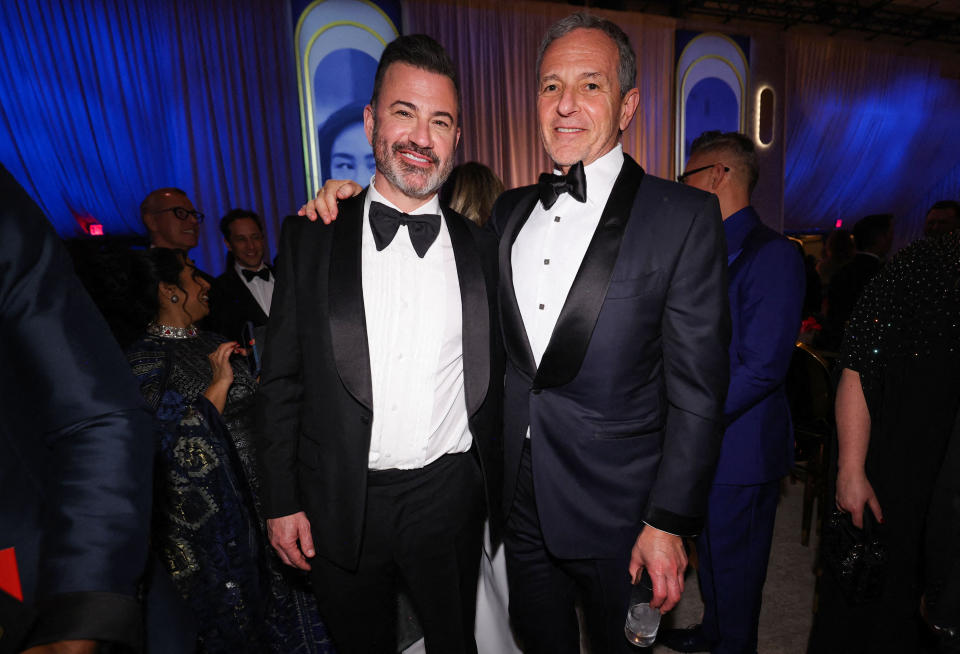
{"x": 737, "y": 146}
{"x": 234, "y": 215}
{"x": 627, "y": 66}
{"x": 471, "y": 190}
{"x": 839, "y": 245}
{"x": 332, "y": 127}
{"x": 152, "y": 195}
{"x": 419, "y": 51}
{"x": 123, "y": 283}
{"x": 868, "y": 231}
{"x": 952, "y": 205}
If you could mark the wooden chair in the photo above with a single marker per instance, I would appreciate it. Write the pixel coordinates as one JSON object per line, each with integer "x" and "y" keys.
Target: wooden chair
{"x": 810, "y": 391}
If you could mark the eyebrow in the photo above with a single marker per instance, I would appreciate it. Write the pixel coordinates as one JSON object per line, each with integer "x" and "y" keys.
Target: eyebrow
{"x": 589, "y": 75}
{"x": 414, "y": 107}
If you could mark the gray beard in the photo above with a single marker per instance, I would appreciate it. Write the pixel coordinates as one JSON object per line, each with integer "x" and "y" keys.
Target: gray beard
{"x": 399, "y": 172}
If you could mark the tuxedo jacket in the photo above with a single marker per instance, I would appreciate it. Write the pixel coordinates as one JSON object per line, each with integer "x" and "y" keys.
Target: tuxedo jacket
{"x": 315, "y": 403}
{"x": 76, "y": 449}
{"x": 767, "y": 284}
{"x": 624, "y": 409}
{"x": 232, "y": 305}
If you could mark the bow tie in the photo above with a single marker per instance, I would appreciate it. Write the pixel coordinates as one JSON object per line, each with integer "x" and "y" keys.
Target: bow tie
{"x": 385, "y": 221}
{"x": 553, "y": 186}
{"x": 263, "y": 273}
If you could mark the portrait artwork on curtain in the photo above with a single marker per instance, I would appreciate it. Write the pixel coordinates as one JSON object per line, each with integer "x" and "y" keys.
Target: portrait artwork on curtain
{"x": 713, "y": 77}
{"x": 338, "y": 44}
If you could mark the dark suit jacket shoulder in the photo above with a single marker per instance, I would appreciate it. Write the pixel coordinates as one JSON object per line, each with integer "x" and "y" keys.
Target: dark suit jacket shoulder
{"x": 232, "y": 305}
{"x": 75, "y": 447}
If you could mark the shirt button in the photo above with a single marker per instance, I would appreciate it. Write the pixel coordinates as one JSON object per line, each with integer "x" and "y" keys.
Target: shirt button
{"x": 541, "y": 307}
{"x": 556, "y": 219}
{"x": 546, "y": 262}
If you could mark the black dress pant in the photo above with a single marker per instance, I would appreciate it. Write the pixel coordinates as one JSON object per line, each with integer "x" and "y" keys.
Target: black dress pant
{"x": 423, "y": 528}
{"x": 545, "y": 590}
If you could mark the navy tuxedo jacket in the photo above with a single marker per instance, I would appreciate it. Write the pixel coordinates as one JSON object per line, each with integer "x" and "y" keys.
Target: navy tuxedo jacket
{"x": 767, "y": 284}
{"x": 232, "y": 305}
{"x": 315, "y": 402}
{"x": 76, "y": 447}
{"x": 624, "y": 410}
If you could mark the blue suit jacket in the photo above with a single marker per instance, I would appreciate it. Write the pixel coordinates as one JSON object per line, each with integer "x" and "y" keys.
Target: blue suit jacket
{"x": 76, "y": 447}
{"x": 767, "y": 283}
{"x": 625, "y": 407}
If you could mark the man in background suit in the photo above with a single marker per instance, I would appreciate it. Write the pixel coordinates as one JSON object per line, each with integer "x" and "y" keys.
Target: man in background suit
{"x": 243, "y": 293}
{"x": 75, "y": 453}
{"x": 384, "y": 388}
{"x": 767, "y": 280}
{"x": 614, "y": 312}
{"x": 172, "y": 221}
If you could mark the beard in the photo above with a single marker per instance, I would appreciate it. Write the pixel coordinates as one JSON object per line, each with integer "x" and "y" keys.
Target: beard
{"x": 411, "y": 180}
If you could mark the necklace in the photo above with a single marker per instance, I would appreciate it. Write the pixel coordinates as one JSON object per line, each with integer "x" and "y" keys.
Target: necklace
{"x": 166, "y": 331}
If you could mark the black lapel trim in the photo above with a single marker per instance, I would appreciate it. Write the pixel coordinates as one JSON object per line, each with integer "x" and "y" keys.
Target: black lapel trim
{"x": 348, "y": 323}
{"x": 515, "y": 339}
{"x": 475, "y": 310}
{"x": 563, "y": 357}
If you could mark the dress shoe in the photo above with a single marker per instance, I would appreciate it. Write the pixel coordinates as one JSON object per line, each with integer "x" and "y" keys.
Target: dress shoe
{"x": 691, "y": 639}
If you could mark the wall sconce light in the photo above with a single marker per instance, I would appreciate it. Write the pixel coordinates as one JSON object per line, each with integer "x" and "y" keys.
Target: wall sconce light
{"x": 765, "y": 110}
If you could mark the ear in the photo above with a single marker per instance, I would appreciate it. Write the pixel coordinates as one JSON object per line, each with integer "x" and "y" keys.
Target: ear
{"x": 165, "y": 290}
{"x": 628, "y": 107}
{"x": 368, "y": 120}
{"x": 150, "y": 221}
{"x": 227, "y": 243}
{"x": 456, "y": 140}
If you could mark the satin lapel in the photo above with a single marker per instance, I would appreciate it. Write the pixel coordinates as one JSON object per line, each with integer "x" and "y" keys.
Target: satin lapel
{"x": 348, "y": 324}
{"x": 515, "y": 339}
{"x": 475, "y": 310}
{"x": 252, "y": 306}
{"x": 568, "y": 344}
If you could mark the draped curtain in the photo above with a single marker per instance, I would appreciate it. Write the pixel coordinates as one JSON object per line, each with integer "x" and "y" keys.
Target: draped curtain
{"x": 102, "y": 101}
{"x": 867, "y": 131}
{"x": 494, "y": 46}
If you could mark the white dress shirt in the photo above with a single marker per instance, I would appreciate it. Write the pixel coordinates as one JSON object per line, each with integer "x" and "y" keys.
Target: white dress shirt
{"x": 550, "y": 247}
{"x": 262, "y": 290}
{"x": 415, "y": 336}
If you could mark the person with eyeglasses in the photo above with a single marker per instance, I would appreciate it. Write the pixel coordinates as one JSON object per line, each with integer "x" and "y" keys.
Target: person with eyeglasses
{"x": 172, "y": 222}
{"x": 766, "y": 283}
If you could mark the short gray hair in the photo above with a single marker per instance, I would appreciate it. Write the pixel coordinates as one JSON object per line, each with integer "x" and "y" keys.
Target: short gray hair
{"x": 627, "y": 67}
{"x": 736, "y": 145}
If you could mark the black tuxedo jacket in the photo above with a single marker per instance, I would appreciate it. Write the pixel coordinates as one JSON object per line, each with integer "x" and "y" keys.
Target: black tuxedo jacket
{"x": 315, "y": 402}
{"x": 232, "y": 304}
{"x": 624, "y": 410}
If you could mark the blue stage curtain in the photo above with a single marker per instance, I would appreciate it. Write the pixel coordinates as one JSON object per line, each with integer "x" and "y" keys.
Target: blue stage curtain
{"x": 103, "y": 100}
{"x": 868, "y": 130}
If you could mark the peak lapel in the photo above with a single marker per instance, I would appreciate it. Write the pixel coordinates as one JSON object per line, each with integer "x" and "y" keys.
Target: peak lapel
{"x": 515, "y": 340}
{"x": 348, "y": 323}
{"x": 475, "y": 312}
{"x": 568, "y": 344}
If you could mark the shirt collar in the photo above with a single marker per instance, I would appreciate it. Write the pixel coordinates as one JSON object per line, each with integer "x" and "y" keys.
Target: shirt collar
{"x": 240, "y": 269}
{"x": 430, "y": 206}
{"x": 737, "y": 226}
{"x": 601, "y": 175}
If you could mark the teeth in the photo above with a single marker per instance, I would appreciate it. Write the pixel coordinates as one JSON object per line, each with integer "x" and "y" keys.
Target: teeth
{"x": 415, "y": 157}
{"x": 568, "y": 130}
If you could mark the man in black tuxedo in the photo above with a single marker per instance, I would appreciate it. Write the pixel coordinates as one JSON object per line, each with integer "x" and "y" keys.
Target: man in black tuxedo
{"x": 243, "y": 293}
{"x": 381, "y": 389}
{"x": 76, "y": 453}
{"x": 613, "y": 301}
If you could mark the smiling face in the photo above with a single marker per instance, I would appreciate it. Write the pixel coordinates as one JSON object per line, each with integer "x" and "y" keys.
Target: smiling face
{"x": 195, "y": 304}
{"x": 413, "y": 130}
{"x": 168, "y": 231}
{"x": 579, "y": 105}
{"x": 246, "y": 242}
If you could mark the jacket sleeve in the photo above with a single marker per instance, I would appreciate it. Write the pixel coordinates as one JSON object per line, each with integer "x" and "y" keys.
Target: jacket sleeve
{"x": 74, "y": 422}
{"x": 695, "y": 340}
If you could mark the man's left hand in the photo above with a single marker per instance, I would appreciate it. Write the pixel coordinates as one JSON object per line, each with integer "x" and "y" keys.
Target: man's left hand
{"x": 663, "y": 556}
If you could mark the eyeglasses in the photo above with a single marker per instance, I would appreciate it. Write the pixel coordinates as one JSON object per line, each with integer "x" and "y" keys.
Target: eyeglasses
{"x": 683, "y": 178}
{"x": 183, "y": 214}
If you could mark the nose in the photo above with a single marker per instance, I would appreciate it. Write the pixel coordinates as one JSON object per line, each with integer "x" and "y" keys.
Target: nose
{"x": 568, "y": 101}
{"x": 421, "y": 134}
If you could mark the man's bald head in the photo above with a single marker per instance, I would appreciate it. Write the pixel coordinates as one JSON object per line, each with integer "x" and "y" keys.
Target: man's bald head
{"x": 171, "y": 219}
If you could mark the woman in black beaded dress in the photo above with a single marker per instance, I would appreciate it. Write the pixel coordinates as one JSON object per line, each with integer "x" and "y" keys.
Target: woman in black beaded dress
{"x": 897, "y": 402}
{"x": 206, "y": 529}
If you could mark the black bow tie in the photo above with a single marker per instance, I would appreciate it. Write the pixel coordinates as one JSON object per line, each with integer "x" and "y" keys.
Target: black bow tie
{"x": 263, "y": 273}
{"x": 385, "y": 221}
{"x": 553, "y": 186}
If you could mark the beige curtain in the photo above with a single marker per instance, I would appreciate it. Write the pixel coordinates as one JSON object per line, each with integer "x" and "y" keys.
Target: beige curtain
{"x": 494, "y": 46}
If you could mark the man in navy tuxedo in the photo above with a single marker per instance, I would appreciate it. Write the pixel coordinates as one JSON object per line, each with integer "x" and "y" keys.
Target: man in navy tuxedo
{"x": 766, "y": 278}
{"x": 614, "y": 313}
{"x": 76, "y": 452}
